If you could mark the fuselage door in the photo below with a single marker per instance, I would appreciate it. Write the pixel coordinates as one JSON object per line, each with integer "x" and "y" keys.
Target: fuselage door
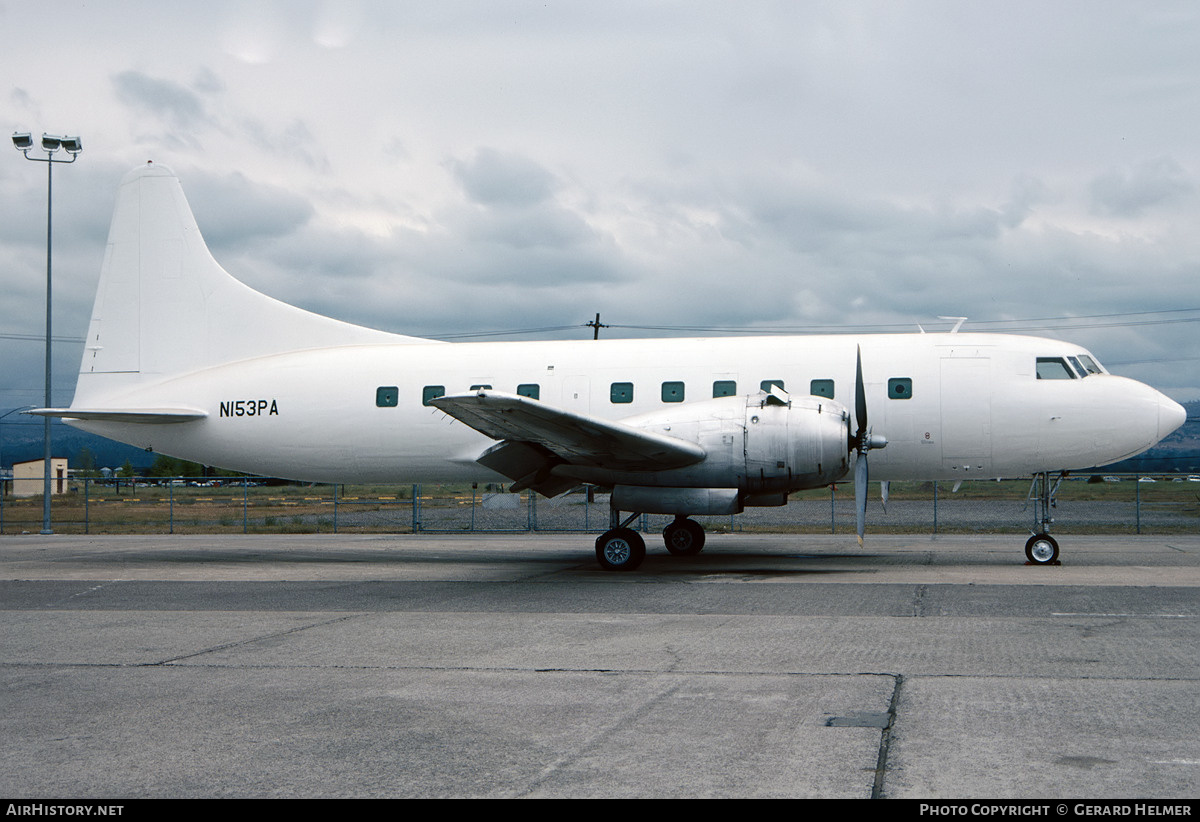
{"x": 967, "y": 416}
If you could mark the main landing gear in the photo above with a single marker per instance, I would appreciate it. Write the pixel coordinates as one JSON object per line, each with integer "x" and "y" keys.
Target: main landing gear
{"x": 620, "y": 548}
{"x": 1041, "y": 548}
{"x": 684, "y": 537}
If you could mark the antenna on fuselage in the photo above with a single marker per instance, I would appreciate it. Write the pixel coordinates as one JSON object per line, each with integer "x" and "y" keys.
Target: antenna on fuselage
{"x": 957, "y": 325}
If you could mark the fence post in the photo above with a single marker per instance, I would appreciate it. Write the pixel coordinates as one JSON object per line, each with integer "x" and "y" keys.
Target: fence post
{"x": 832, "y": 508}
{"x": 170, "y": 507}
{"x": 416, "y": 509}
{"x": 1137, "y": 502}
{"x": 335, "y": 507}
{"x": 245, "y": 506}
{"x": 935, "y": 501}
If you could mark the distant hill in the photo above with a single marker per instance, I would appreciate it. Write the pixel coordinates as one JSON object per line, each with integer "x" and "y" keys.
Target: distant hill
{"x": 23, "y": 441}
{"x": 1177, "y": 454}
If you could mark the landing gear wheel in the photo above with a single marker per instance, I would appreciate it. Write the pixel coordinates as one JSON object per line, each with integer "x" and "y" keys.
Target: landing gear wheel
{"x": 1041, "y": 549}
{"x": 684, "y": 537}
{"x": 620, "y": 549}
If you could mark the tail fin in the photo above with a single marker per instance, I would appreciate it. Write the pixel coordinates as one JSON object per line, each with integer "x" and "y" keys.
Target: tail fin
{"x": 165, "y": 307}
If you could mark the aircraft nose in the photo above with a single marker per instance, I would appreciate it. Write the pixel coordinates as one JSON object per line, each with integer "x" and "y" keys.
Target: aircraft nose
{"x": 1171, "y": 415}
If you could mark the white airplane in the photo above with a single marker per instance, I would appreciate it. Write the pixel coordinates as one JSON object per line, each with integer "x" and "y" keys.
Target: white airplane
{"x": 184, "y": 360}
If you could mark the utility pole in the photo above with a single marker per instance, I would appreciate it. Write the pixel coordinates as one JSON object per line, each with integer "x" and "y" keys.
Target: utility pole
{"x": 596, "y": 325}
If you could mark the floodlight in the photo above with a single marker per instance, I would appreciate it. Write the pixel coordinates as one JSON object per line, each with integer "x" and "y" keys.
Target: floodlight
{"x": 50, "y": 143}
{"x": 72, "y": 144}
{"x": 23, "y": 141}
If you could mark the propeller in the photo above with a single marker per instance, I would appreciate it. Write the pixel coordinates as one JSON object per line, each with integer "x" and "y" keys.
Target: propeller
{"x": 861, "y": 442}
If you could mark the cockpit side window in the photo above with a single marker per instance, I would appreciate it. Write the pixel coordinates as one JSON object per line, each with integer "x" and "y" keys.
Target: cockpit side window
{"x": 1079, "y": 369}
{"x": 1053, "y": 368}
{"x": 1091, "y": 365}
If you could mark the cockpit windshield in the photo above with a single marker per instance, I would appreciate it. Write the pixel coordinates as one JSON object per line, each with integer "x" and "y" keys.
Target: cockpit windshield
{"x": 1054, "y": 368}
{"x": 1072, "y": 367}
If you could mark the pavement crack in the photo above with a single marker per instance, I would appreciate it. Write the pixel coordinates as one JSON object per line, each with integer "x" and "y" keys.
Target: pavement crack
{"x": 885, "y": 739}
{"x": 919, "y": 601}
{"x": 594, "y": 741}
{"x": 249, "y": 641}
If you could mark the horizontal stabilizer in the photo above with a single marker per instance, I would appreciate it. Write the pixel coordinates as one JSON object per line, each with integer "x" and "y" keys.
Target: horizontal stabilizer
{"x": 150, "y": 416}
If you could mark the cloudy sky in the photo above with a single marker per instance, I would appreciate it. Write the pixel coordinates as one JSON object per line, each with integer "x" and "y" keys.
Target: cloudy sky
{"x": 452, "y": 168}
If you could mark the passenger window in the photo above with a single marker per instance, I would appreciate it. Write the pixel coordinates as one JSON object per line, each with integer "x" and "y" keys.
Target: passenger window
{"x": 900, "y": 388}
{"x": 724, "y": 388}
{"x": 821, "y": 388}
{"x": 1053, "y": 368}
{"x": 530, "y": 389}
{"x": 432, "y": 392}
{"x": 766, "y": 385}
{"x": 672, "y": 392}
{"x": 387, "y": 396}
{"x": 621, "y": 392}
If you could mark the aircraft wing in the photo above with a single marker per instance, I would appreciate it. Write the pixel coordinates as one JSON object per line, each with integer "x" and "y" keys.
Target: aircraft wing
{"x": 534, "y": 437}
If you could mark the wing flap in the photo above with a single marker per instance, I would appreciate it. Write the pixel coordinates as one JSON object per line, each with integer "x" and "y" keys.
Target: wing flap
{"x": 550, "y": 436}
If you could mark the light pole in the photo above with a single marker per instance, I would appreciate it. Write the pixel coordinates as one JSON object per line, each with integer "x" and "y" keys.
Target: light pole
{"x": 51, "y": 146}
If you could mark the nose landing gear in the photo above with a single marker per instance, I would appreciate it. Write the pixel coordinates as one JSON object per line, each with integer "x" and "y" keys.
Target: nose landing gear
{"x": 1041, "y": 548}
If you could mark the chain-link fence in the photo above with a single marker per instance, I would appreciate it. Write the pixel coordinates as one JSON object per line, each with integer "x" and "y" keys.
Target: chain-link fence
{"x": 1121, "y": 504}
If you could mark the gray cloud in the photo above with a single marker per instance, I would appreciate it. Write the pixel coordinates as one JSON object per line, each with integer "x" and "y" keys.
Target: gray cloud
{"x": 233, "y": 211}
{"x": 498, "y": 179}
{"x": 176, "y": 105}
{"x": 1131, "y": 192}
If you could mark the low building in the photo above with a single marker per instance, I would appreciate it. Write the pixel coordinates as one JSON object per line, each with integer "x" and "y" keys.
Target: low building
{"x": 29, "y": 477}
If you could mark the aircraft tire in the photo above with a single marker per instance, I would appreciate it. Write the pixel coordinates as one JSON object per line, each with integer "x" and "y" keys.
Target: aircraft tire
{"x": 621, "y": 549}
{"x": 684, "y": 537}
{"x": 1041, "y": 549}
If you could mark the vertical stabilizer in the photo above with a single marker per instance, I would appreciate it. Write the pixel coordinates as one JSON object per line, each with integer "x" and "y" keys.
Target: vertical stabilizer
{"x": 165, "y": 307}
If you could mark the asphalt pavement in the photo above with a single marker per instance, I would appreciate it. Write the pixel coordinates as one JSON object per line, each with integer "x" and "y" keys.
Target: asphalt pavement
{"x": 511, "y": 666}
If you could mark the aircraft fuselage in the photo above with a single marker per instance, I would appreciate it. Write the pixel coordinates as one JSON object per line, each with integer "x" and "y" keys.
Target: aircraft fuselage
{"x": 951, "y": 406}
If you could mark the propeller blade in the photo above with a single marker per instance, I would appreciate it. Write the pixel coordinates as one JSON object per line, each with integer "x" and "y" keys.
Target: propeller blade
{"x": 860, "y": 401}
{"x": 883, "y": 492}
{"x": 860, "y": 493}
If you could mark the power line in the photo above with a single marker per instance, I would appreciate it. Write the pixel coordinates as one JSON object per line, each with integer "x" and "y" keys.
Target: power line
{"x": 39, "y": 338}
{"x": 1076, "y": 322}
{"x": 464, "y": 335}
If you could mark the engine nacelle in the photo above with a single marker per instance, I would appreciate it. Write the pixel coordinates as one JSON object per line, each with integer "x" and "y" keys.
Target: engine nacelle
{"x": 763, "y": 445}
